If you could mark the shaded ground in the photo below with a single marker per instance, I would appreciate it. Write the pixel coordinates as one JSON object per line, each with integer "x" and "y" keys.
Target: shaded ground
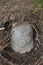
{"x": 18, "y": 11}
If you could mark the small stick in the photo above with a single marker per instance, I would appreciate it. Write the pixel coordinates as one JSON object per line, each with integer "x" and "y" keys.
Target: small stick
{"x": 2, "y": 28}
{"x": 36, "y": 34}
{"x": 39, "y": 61}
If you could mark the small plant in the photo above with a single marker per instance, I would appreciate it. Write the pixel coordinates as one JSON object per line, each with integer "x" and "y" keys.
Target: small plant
{"x": 38, "y": 5}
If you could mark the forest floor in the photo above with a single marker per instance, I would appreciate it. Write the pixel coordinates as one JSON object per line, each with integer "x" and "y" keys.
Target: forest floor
{"x": 15, "y": 11}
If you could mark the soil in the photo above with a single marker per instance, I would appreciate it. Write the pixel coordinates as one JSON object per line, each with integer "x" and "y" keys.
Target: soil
{"x": 12, "y": 11}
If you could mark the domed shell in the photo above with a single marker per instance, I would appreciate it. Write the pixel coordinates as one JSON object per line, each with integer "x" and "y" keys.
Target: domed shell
{"x": 22, "y": 38}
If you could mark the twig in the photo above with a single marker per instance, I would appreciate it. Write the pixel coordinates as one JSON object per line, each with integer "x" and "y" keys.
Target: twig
{"x": 37, "y": 39}
{"x": 2, "y": 28}
{"x": 39, "y": 61}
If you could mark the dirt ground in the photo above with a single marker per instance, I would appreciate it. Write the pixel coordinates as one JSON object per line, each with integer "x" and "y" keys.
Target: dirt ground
{"x": 17, "y": 11}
